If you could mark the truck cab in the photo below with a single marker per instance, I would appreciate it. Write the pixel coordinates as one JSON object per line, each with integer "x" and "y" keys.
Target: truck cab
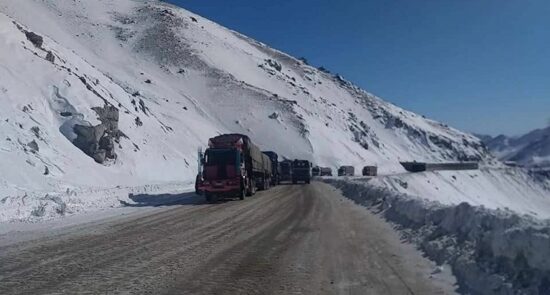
{"x": 301, "y": 171}
{"x": 224, "y": 173}
{"x": 316, "y": 171}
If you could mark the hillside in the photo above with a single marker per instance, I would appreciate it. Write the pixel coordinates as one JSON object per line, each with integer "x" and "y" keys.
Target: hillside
{"x": 146, "y": 84}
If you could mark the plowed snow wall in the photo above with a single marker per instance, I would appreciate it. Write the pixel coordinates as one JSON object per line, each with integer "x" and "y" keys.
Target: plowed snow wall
{"x": 490, "y": 251}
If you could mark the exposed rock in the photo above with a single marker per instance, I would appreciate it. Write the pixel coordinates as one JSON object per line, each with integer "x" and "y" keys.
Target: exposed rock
{"x": 274, "y": 64}
{"x": 33, "y": 146}
{"x": 46, "y": 170}
{"x": 36, "y": 131}
{"x": 99, "y": 156}
{"x": 98, "y": 141}
{"x": 35, "y": 39}
{"x": 109, "y": 116}
{"x": 324, "y": 70}
{"x": 274, "y": 116}
{"x": 50, "y": 57}
{"x": 139, "y": 123}
{"x": 142, "y": 106}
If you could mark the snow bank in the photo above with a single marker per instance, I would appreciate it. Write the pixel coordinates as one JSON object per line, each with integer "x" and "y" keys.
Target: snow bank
{"x": 504, "y": 188}
{"x": 490, "y": 251}
{"x": 40, "y": 206}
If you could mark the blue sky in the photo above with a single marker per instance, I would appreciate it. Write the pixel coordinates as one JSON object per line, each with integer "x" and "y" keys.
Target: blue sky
{"x": 481, "y": 66}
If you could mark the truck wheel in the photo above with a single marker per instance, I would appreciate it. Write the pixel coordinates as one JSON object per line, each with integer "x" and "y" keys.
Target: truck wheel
{"x": 294, "y": 181}
{"x": 307, "y": 181}
{"x": 242, "y": 193}
{"x": 211, "y": 198}
{"x": 251, "y": 189}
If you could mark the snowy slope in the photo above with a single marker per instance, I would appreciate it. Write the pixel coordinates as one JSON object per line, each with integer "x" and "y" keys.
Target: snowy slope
{"x": 506, "y": 188}
{"x": 177, "y": 79}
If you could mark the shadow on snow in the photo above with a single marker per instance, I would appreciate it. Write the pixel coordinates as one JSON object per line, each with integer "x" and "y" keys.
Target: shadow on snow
{"x": 148, "y": 200}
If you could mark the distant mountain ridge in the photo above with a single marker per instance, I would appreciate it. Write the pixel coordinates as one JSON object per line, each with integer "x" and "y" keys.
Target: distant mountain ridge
{"x": 531, "y": 149}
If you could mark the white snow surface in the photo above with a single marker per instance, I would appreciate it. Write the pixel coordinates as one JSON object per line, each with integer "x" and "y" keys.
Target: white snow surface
{"x": 505, "y": 188}
{"x": 195, "y": 79}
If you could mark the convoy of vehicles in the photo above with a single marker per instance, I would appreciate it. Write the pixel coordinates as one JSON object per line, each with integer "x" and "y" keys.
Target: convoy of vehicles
{"x": 234, "y": 167}
{"x": 301, "y": 171}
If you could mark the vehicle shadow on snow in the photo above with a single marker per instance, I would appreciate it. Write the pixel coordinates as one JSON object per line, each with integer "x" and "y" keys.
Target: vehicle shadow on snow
{"x": 160, "y": 200}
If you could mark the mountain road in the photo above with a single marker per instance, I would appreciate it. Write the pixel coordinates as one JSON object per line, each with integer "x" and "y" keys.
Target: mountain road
{"x": 291, "y": 239}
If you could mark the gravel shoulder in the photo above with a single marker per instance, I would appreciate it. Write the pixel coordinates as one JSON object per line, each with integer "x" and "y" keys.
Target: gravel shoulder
{"x": 290, "y": 240}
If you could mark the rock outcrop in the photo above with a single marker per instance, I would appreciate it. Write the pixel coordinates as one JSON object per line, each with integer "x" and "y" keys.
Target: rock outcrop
{"x": 98, "y": 141}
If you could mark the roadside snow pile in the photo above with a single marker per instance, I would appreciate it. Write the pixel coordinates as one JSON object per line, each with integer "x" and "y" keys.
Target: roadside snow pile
{"x": 490, "y": 251}
{"x": 502, "y": 188}
{"x": 40, "y": 206}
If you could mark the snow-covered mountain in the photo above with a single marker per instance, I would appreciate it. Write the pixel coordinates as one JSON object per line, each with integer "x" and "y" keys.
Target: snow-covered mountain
{"x": 141, "y": 85}
{"x": 530, "y": 150}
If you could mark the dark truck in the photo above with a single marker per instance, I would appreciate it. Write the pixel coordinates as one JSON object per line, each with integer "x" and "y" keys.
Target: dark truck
{"x": 346, "y": 171}
{"x": 326, "y": 171}
{"x": 285, "y": 171}
{"x": 316, "y": 171}
{"x": 274, "y": 166}
{"x": 233, "y": 166}
{"x": 301, "y": 171}
{"x": 370, "y": 171}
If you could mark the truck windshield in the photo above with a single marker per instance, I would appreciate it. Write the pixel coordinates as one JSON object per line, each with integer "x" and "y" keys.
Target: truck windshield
{"x": 301, "y": 164}
{"x": 220, "y": 157}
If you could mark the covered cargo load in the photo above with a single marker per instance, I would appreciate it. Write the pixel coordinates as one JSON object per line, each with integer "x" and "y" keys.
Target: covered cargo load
{"x": 274, "y": 166}
{"x": 346, "y": 171}
{"x": 326, "y": 171}
{"x": 254, "y": 156}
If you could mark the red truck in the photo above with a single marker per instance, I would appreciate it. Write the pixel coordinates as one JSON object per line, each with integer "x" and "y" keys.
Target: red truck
{"x": 233, "y": 166}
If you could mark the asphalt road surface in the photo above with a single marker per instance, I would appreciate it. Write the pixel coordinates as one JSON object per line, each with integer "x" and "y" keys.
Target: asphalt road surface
{"x": 300, "y": 239}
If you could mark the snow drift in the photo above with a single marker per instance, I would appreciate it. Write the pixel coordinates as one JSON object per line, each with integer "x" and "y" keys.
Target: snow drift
{"x": 490, "y": 251}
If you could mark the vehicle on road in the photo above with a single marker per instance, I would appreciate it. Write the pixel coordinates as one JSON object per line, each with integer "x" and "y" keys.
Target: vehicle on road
{"x": 316, "y": 171}
{"x": 274, "y": 166}
{"x": 233, "y": 166}
{"x": 326, "y": 171}
{"x": 370, "y": 171}
{"x": 346, "y": 171}
{"x": 285, "y": 171}
{"x": 301, "y": 171}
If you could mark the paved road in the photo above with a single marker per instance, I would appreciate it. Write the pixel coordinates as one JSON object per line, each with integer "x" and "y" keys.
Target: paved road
{"x": 304, "y": 239}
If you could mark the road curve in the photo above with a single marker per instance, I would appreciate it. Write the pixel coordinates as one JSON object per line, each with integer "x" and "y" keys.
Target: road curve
{"x": 304, "y": 239}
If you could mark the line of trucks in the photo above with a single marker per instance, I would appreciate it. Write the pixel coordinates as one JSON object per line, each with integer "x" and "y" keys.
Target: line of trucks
{"x": 233, "y": 166}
